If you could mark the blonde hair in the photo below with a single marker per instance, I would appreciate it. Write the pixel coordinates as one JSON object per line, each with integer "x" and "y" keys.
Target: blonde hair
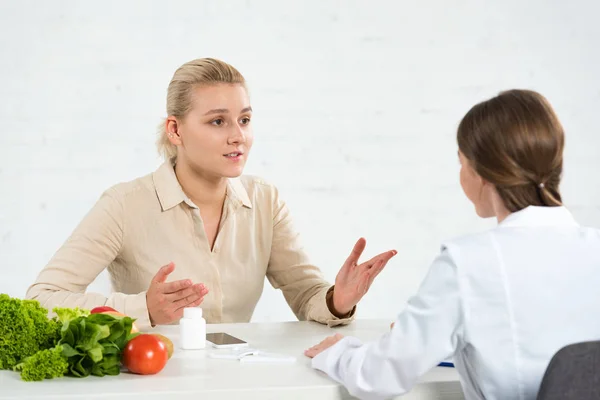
{"x": 202, "y": 71}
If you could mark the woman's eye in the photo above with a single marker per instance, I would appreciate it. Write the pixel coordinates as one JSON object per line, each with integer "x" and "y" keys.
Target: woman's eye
{"x": 245, "y": 121}
{"x": 218, "y": 122}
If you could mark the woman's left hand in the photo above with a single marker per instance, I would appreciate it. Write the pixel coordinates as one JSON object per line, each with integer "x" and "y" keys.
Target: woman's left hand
{"x": 324, "y": 345}
{"x": 354, "y": 280}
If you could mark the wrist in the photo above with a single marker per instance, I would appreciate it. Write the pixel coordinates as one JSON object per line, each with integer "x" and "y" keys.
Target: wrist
{"x": 150, "y": 319}
{"x": 336, "y": 304}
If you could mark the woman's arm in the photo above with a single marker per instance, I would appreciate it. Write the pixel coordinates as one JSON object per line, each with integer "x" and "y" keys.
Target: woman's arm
{"x": 428, "y": 331}
{"x": 304, "y": 288}
{"x": 92, "y": 246}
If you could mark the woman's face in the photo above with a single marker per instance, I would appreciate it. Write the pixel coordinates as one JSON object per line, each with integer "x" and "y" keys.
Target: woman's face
{"x": 215, "y": 136}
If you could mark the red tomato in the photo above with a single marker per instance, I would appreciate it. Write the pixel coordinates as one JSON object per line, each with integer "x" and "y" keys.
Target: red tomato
{"x": 101, "y": 309}
{"x": 145, "y": 354}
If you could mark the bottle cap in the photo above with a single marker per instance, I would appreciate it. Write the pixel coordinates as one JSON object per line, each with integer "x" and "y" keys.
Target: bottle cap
{"x": 192, "y": 313}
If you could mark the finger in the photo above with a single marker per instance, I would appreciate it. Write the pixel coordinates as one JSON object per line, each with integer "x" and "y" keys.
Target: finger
{"x": 176, "y": 286}
{"x": 192, "y": 300}
{"x": 358, "y": 249}
{"x": 182, "y": 294}
{"x": 197, "y": 302}
{"x": 163, "y": 273}
{"x": 387, "y": 256}
{"x": 319, "y": 345}
{"x": 376, "y": 270}
{"x": 179, "y": 311}
{"x": 310, "y": 353}
{"x": 383, "y": 256}
{"x": 330, "y": 341}
{"x": 315, "y": 350}
{"x": 324, "y": 345}
{"x": 368, "y": 275}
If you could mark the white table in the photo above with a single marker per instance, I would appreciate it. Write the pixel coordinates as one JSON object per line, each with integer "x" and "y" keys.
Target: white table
{"x": 193, "y": 375}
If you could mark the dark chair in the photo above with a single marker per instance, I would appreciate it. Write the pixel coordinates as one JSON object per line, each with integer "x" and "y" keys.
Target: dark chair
{"x": 573, "y": 373}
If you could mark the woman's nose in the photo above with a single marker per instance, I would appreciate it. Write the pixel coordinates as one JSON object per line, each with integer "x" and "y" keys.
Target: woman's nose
{"x": 237, "y": 136}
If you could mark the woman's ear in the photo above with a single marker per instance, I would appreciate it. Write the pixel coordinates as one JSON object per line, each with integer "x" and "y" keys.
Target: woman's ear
{"x": 172, "y": 130}
{"x": 482, "y": 181}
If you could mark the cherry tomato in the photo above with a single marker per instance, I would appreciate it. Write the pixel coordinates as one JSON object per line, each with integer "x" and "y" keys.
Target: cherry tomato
{"x": 145, "y": 354}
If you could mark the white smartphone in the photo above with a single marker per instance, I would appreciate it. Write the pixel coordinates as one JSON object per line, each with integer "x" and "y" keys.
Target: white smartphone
{"x": 222, "y": 340}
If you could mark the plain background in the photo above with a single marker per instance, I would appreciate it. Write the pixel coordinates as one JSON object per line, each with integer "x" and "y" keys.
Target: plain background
{"x": 356, "y": 106}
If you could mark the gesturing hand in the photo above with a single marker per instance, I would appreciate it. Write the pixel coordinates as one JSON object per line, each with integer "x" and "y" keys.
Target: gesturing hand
{"x": 354, "y": 280}
{"x": 166, "y": 300}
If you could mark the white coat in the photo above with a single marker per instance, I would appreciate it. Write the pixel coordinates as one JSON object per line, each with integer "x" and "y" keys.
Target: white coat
{"x": 499, "y": 303}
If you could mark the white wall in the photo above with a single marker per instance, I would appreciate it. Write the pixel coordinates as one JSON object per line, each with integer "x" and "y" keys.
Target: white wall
{"x": 356, "y": 105}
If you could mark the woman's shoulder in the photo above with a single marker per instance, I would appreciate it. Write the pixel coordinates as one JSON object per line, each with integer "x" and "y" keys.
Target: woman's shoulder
{"x": 468, "y": 239}
{"x": 469, "y": 246}
{"x": 133, "y": 188}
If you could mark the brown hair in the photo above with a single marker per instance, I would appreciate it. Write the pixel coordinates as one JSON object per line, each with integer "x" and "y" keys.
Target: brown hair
{"x": 202, "y": 71}
{"x": 515, "y": 141}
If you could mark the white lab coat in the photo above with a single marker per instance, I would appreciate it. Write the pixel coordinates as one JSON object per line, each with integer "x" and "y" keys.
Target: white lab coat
{"x": 500, "y": 303}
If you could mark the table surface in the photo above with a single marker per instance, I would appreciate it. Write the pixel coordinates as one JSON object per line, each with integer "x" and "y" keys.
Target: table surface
{"x": 192, "y": 374}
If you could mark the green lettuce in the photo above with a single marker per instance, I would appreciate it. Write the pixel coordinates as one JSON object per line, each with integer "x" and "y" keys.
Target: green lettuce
{"x": 64, "y": 315}
{"x": 73, "y": 343}
{"x": 94, "y": 344}
{"x": 45, "y": 364}
{"x": 24, "y": 330}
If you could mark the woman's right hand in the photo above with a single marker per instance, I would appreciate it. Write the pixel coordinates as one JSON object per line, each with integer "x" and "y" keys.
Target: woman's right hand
{"x": 166, "y": 300}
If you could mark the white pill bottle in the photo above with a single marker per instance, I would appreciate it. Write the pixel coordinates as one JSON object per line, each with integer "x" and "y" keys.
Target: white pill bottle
{"x": 192, "y": 329}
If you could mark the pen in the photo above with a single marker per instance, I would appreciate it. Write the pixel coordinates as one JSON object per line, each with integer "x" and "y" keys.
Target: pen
{"x": 446, "y": 364}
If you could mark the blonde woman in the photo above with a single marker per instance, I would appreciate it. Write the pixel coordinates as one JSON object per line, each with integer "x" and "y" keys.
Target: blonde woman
{"x": 503, "y": 302}
{"x": 196, "y": 231}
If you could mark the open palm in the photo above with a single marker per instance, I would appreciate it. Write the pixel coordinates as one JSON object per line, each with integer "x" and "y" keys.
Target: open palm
{"x": 354, "y": 280}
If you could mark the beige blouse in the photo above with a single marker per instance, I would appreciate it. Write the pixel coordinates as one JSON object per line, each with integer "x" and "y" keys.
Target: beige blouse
{"x": 137, "y": 227}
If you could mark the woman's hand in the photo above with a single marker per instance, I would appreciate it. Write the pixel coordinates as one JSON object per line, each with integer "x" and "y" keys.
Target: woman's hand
{"x": 166, "y": 300}
{"x": 354, "y": 280}
{"x": 324, "y": 345}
